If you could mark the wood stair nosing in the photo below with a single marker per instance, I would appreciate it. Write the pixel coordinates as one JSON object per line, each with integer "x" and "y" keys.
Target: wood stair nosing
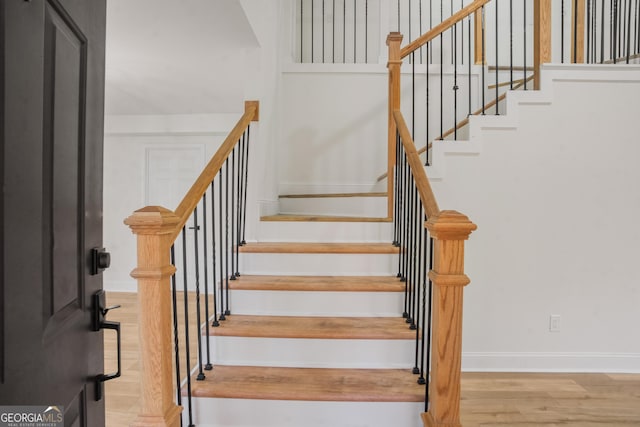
{"x": 318, "y": 283}
{"x": 310, "y": 384}
{"x": 319, "y": 248}
{"x": 321, "y": 218}
{"x": 314, "y": 327}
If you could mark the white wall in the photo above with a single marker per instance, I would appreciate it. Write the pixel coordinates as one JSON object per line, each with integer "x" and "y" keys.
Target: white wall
{"x": 553, "y": 187}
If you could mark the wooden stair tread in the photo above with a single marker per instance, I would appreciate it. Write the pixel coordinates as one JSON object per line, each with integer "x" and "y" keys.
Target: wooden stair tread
{"x": 319, "y": 248}
{"x": 331, "y": 195}
{"x": 316, "y": 327}
{"x": 310, "y": 384}
{"x": 318, "y": 283}
{"x": 321, "y": 218}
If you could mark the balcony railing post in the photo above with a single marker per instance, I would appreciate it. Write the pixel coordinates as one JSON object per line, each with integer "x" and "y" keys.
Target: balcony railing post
{"x": 154, "y": 227}
{"x": 449, "y": 230}
{"x": 394, "y": 64}
{"x": 577, "y": 31}
{"x": 541, "y": 37}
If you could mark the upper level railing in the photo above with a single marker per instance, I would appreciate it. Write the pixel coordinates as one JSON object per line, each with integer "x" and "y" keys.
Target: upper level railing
{"x": 184, "y": 257}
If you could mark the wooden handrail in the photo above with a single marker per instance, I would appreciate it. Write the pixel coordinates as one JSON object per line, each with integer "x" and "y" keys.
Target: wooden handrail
{"x": 156, "y": 228}
{"x": 417, "y": 169}
{"x": 449, "y": 230}
{"x": 194, "y": 195}
{"x": 442, "y": 27}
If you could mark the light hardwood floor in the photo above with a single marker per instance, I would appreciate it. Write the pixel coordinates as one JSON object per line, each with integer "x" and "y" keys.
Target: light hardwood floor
{"x": 488, "y": 399}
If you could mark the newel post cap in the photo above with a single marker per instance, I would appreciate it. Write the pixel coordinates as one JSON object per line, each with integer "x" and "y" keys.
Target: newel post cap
{"x": 152, "y": 220}
{"x": 394, "y": 37}
{"x": 450, "y": 225}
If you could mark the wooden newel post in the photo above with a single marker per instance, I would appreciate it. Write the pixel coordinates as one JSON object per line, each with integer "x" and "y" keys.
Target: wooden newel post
{"x": 394, "y": 65}
{"x": 541, "y": 37}
{"x": 449, "y": 230}
{"x": 577, "y": 31}
{"x": 154, "y": 227}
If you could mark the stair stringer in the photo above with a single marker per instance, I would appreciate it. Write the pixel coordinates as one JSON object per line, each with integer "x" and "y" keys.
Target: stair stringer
{"x": 513, "y": 103}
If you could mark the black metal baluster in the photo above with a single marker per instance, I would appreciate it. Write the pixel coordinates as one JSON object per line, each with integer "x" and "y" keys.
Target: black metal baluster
{"x": 405, "y": 272}
{"x": 419, "y": 267}
{"x": 629, "y": 33}
{"x": 215, "y": 322}
{"x": 484, "y": 62}
{"x": 238, "y": 240}
{"x": 602, "y": 34}
{"x": 246, "y": 180}
{"x": 404, "y": 247}
{"x": 421, "y": 379}
{"x": 234, "y": 248}
{"x": 588, "y": 37}
{"x": 562, "y": 31}
{"x": 497, "y": 62}
{"x": 301, "y": 30}
{"x": 176, "y": 340}
{"x": 240, "y": 208}
{"x": 208, "y": 365}
{"x": 427, "y": 139}
{"x": 412, "y": 260}
{"x": 196, "y": 251}
{"x": 524, "y": 43}
{"x": 355, "y": 30}
{"x": 396, "y": 199}
{"x": 455, "y": 84}
{"x": 615, "y": 31}
{"x": 510, "y": 44}
{"x": 398, "y": 16}
{"x": 227, "y": 240}
{"x": 441, "y": 74}
{"x": 410, "y": 250}
{"x": 469, "y": 64}
{"x": 186, "y": 323}
{"x": 222, "y": 250}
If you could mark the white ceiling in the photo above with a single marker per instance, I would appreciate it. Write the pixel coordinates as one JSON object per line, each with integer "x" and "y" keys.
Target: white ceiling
{"x": 175, "y": 56}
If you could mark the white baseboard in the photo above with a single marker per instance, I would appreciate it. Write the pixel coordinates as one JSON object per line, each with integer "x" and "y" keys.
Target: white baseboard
{"x": 551, "y": 362}
{"x": 120, "y": 285}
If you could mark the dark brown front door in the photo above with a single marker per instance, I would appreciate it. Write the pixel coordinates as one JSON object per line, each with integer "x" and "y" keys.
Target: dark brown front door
{"x": 51, "y": 122}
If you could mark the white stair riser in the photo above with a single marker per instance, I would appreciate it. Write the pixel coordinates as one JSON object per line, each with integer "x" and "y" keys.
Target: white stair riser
{"x": 309, "y": 303}
{"x": 313, "y": 353}
{"x": 317, "y": 231}
{"x": 319, "y": 264}
{"x": 282, "y": 413}
{"x": 347, "y": 206}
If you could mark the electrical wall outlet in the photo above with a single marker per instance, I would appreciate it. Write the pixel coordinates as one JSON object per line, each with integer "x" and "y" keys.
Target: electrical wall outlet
{"x": 554, "y": 323}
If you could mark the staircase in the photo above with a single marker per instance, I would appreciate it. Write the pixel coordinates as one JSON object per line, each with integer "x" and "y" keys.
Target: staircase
{"x": 302, "y": 349}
